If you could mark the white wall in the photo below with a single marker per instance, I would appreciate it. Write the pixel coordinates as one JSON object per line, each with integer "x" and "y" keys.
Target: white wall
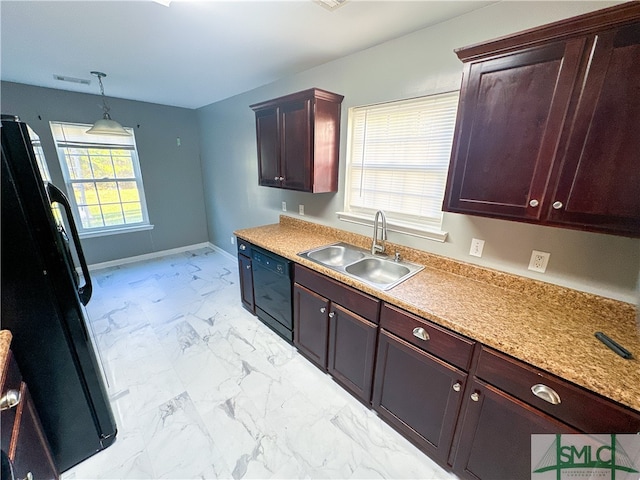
{"x": 418, "y": 64}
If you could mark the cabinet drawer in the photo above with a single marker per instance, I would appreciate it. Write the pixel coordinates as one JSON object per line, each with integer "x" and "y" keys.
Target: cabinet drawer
{"x": 441, "y": 342}
{"x": 348, "y": 297}
{"x": 579, "y": 408}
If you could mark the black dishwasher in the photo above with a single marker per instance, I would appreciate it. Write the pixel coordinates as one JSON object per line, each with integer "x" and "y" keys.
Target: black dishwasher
{"x": 272, "y": 288}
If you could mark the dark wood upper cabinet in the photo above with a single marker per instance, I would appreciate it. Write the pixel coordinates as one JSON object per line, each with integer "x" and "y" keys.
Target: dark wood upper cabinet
{"x": 546, "y": 128}
{"x": 298, "y": 138}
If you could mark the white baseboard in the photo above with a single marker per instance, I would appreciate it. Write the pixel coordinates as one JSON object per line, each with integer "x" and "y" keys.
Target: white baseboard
{"x": 162, "y": 253}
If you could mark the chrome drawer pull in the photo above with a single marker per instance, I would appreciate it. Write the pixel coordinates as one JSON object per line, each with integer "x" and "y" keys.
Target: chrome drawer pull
{"x": 456, "y": 387}
{"x": 547, "y": 394}
{"x": 243, "y": 247}
{"x": 322, "y": 310}
{"x": 331, "y": 315}
{"x": 10, "y": 400}
{"x": 420, "y": 333}
{"x": 475, "y": 396}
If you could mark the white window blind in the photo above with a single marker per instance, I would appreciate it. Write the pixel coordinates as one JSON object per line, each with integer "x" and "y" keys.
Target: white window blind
{"x": 399, "y": 157}
{"x": 103, "y": 175}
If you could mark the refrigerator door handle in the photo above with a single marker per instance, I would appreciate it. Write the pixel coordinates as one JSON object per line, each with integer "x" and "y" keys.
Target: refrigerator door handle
{"x": 56, "y": 195}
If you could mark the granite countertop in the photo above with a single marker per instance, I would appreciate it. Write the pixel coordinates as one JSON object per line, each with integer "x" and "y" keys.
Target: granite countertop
{"x": 545, "y": 325}
{"x": 5, "y": 344}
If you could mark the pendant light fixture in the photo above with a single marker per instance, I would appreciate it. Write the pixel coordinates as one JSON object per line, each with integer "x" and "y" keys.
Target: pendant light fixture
{"x": 106, "y": 126}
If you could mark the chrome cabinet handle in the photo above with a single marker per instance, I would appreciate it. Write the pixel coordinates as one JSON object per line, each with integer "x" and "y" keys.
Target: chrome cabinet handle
{"x": 547, "y": 394}
{"x": 281, "y": 179}
{"x": 420, "y": 333}
{"x": 322, "y": 310}
{"x": 248, "y": 267}
{"x": 29, "y": 476}
{"x": 276, "y": 178}
{"x": 331, "y": 315}
{"x": 475, "y": 396}
{"x": 243, "y": 247}
{"x": 534, "y": 203}
{"x": 456, "y": 387}
{"x": 10, "y": 400}
{"x": 557, "y": 205}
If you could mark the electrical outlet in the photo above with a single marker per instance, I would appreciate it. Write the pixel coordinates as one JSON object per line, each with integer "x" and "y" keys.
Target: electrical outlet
{"x": 539, "y": 261}
{"x": 233, "y": 240}
{"x": 284, "y": 206}
{"x": 301, "y": 209}
{"x": 476, "y": 247}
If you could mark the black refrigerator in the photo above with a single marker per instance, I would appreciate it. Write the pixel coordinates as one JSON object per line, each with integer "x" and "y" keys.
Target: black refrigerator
{"x": 43, "y": 300}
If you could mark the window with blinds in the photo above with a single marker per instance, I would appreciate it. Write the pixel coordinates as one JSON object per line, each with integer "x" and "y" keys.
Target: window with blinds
{"x": 398, "y": 158}
{"x": 103, "y": 173}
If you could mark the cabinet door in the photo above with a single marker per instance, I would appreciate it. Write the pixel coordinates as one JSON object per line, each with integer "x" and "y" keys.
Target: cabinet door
{"x": 296, "y": 144}
{"x": 511, "y": 113}
{"x": 418, "y": 394}
{"x": 352, "y": 343}
{"x": 600, "y": 179}
{"x": 246, "y": 283}
{"x": 311, "y": 325}
{"x": 495, "y": 441}
{"x": 31, "y": 454}
{"x": 268, "y": 138}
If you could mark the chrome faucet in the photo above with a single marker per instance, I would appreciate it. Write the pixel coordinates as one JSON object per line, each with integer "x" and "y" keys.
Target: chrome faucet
{"x": 378, "y": 248}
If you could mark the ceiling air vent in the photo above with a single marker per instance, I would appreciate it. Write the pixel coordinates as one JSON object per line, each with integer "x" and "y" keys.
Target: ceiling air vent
{"x": 62, "y": 78}
{"x": 330, "y": 4}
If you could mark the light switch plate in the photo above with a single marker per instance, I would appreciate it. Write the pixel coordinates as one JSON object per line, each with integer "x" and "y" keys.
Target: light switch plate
{"x": 301, "y": 209}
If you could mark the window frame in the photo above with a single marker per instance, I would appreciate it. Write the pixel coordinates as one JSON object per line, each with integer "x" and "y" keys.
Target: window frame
{"x": 89, "y": 232}
{"x": 430, "y": 227}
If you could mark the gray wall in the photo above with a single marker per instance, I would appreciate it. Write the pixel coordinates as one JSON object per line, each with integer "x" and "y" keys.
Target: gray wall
{"x": 171, "y": 174}
{"x": 418, "y": 64}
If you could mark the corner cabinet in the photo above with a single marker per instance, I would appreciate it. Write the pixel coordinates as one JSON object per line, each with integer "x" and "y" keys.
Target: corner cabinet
{"x": 298, "y": 138}
{"x": 547, "y": 125}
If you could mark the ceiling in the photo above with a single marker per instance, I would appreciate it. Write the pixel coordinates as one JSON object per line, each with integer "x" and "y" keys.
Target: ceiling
{"x": 193, "y": 53}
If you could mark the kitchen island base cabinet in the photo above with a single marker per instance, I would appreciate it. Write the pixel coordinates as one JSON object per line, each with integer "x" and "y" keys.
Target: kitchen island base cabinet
{"x": 495, "y": 441}
{"x": 418, "y": 394}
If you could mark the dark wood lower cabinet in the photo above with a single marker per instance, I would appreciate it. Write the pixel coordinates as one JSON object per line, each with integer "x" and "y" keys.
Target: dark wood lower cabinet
{"x": 335, "y": 326}
{"x": 495, "y": 440}
{"x": 23, "y": 439}
{"x": 352, "y": 345}
{"x": 311, "y": 325}
{"x": 417, "y": 393}
{"x": 246, "y": 283}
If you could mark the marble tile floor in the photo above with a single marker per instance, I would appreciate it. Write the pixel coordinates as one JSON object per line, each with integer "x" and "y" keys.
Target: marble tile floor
{"x": 201, "y": 389}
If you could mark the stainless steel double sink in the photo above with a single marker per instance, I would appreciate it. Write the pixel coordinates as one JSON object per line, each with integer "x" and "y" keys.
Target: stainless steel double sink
{"x": 379, "y": 272}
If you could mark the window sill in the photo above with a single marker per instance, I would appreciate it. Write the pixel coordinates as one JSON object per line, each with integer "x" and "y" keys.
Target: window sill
{"x": 115, "y": 231}
{"x": 422, "y": 231}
